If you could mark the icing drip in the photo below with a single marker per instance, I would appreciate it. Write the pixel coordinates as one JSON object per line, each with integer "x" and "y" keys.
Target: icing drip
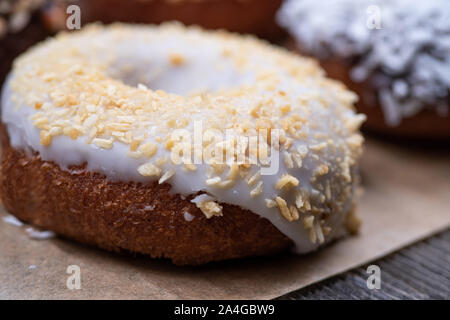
{"x": 16, "y": 14}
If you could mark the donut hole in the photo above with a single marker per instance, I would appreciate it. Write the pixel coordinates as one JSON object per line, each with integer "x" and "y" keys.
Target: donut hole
{"x": 177, "y": 68}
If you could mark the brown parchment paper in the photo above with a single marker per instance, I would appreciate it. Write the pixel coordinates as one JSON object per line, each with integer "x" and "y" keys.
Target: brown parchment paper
{"x": 407, "y": 198}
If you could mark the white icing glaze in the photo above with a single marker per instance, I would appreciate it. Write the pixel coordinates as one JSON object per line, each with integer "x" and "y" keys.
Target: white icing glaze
{"x": 409, "y": 57}
{"x": 330, "y": 122}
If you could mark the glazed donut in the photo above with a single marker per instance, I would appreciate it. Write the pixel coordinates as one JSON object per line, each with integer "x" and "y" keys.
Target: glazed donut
{"x": 116, "y": 136}
{"x": 243, "y": 16}
{"x": 393, "y": 54}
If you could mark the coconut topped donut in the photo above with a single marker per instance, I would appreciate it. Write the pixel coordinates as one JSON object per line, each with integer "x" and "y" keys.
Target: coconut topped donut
{"x": 221, "y": 118}
{"x": 402, "y": 45}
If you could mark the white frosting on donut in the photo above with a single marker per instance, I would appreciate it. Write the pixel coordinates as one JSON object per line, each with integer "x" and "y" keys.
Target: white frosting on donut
{"x": 408, "y": 57}
{"x": 47, "y": 107}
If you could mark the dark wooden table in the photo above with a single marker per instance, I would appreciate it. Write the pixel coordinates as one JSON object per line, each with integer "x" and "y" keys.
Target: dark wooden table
{"x": 420, "y": 271}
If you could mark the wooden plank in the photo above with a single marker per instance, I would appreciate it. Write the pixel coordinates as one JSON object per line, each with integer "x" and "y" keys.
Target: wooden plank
{"x": 421, "y": 271}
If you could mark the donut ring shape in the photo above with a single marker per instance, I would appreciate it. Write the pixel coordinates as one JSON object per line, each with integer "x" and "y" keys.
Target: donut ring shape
{"x": 82, "y": 101}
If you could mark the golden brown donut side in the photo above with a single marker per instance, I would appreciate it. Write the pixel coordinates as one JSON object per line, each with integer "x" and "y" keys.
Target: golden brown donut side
{"x": 243, "y": 16}
{"x": 133, "y": 217}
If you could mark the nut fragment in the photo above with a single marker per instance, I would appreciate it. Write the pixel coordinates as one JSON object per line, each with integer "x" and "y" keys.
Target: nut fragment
{"x": 352, "y": 221}
{"x": 149, "y": 169}
{"x": 176, "y": 59}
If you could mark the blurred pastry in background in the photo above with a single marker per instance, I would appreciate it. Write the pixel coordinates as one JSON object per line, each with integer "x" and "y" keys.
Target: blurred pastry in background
{"x": 243, "y": 16}
{"x": 24, "y": 23}
{"x": 394, "y": 54}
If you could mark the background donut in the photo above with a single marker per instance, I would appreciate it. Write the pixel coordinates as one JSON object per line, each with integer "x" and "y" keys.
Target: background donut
{"x": 393, "y": 54}
{"x": 243, "y": 16}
